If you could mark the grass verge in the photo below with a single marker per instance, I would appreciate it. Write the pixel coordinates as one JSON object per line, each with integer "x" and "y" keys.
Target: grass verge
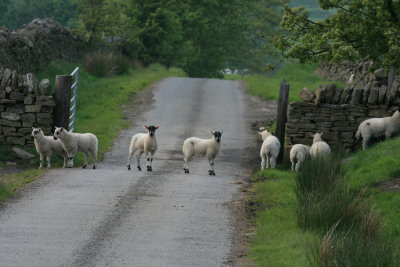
{"x": 278, "y": 241}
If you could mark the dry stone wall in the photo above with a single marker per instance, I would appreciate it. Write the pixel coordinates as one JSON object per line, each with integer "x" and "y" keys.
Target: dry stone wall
{"x": 31, "y": 48}
{"x": 338, "y": 112}
{"x": 24, "y": 103}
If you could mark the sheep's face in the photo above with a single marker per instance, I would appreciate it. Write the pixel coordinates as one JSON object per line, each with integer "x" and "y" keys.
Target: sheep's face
{"x": 35, "y": 131}
{"x": 217, "y": 135}
{"x": 57, "y": 132}
{"x": 152, "y": 129}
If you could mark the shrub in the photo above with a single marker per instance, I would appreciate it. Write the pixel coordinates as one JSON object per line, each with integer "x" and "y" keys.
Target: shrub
{"x": 100, "y": 64}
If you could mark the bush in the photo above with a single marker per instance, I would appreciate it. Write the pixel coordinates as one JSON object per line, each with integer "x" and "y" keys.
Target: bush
{"x": 106, "y": 64}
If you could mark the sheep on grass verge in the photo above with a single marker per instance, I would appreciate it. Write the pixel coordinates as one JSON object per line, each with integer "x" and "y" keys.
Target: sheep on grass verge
{"x": 378, "y": 127}
{"x": 46, "y": 145}
{"x": 319, "y": 148}
{"x": 194, "y": 146}
{"x": 298, "y": 154}
{"x": 73, "y": 142}
{"x": 269, "y": 149}
{"x": 144, "y": 143}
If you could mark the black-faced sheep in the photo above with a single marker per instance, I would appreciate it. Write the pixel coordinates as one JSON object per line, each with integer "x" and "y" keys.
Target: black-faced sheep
{"x": 198, "y": 147}
{"x": 144, "y": 143}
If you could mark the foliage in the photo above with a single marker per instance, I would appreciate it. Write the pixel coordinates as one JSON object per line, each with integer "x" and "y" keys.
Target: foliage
{"x": 360, "y": 29}
{"x": 106, "y": 64}
{"x": 18, "y": 12}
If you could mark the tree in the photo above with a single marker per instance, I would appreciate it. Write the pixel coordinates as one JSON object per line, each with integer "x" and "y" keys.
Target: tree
{"x": 360, "y": 29}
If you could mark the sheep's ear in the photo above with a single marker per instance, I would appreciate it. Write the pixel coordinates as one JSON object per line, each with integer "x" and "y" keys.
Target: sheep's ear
{"x": 260, "y": 133}
{"x": 221, "y": 132}
{"x": 158, "y": 126}
{"x": 212, "y": 132}
{"x": 33, "y": 128}
{"x": 321, "y": 133}
{"x": 61, "y": 129}
{"x": 147, "y": 127}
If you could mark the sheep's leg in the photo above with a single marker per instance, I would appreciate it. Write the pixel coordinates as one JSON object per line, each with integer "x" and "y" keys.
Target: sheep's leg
{"x": 41, "y": 161}
{"x": 212, "y": 163}
{"x": 128, "y": 164}
{"x": 94, "y": 159}
{"x": 86, "y": 159}
{"x": 48, "y": 157}
{"x": 70, "y": 163}
{"x": 185, "y": 164}
{"x": 293, "y": 165}
{"x": 138, "y": 160}
{"x": 273, "y": 162}
{"x": 262, "y": 162}
{"x": 65, "y": 161}
{"x": 267, "y": 162}
{"x": 365, "y": 143}
{"x": 149, "y": 157}
{"x": 297, "y": 166}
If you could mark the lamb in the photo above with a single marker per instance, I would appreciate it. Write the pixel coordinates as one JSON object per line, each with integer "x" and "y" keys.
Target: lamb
{"x": 299, "y": 153}
{"x": 319, "y": 147}
{"x": 378, "y": 127}
{"x": 198, "y": 147}
{"x": 144, "y": 143}
{"x": 73, "y": 142}
{"x": 46, "y": 145}
{"x": 269, "y": 149}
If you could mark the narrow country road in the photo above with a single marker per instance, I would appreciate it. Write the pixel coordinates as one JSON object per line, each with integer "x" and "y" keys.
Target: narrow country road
{"x": 114, "y": 217}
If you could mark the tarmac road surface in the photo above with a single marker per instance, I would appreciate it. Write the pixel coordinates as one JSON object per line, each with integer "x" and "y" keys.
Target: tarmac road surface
{"x": 114, "y": 217}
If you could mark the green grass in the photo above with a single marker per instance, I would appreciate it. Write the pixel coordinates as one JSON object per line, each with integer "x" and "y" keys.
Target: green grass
{"x": 10, "y": 183}
{"x": 297, "y": 75}
{"x": 278, "y": 241}
{"x": 379, "y": 163}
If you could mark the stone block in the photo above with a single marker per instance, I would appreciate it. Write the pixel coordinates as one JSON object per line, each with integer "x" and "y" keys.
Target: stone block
{"x": 339, "y": 118}
{"x": 17, "y": 108}
{"x": 378, "y": 113}
{"x": 15, "y": 140}
{"x": 10, "y": 123}
{"x": 357, "y": 96}
{"x": 346, "y": 135}
{"x": 28, "y": 118}
{"x": 47, "y": 121}
{"x": 33, "y": 108}
{"x": 7, "y": 129}
{"x": 28, "y": 100}
{"x": 10, "y": 116}
{"x": 307, "y": 95}
{"x": 382, "y": 94}
{"x": 373, "y": 95}
{"x": 7, "y": 101}
{"x": 330, "y": 136}
{"x": 330, "y": 92}
{"x": 337, "y": 95}
{"x": 49, "y": 103}
{"x": 341, "y": 123}
{"x": 25, "y": 130}
{"x": 17, "y": 96}
{"x": 319, "y": 96}
{"x": 45, "y": 87}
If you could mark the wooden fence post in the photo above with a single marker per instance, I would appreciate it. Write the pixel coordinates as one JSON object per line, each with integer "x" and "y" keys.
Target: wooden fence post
{"x": 63, "y": 99}
{"x": 281, "y": 117}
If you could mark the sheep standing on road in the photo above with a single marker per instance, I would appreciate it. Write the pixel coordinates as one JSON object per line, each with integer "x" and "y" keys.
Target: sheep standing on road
{"x": 378, "y": 127}
{"x": 319, "y": 147}
{"x": 73, "y": 142}
{"x": 298, "y": 154}
{"x": 198, "y": 147}
{"x": 46, "y": 145}
{"x": 144, "y": 143}
{"x": 269, "y": 149}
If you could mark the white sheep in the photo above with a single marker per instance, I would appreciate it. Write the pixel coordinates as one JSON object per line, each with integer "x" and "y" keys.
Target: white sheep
{"x": 144, "y": 143}
{"x": 46, "y": 145}
{"x": 298, "y": 154}
{"x": 198, "y": 147}
{"x": 319, "y": 147}
{"x": 73, "y": 142}
{"x": 269, "y": 149}
{"x": 378, "y": 127}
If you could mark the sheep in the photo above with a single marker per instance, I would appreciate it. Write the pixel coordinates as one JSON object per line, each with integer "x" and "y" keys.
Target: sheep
{"x": 299, "y": 153}
{"x": 73, "y": 142}
{"x": 269, "y": 149}
{"x": 46, "y": 145}
{"x": 198, "y": 147}
{"x": 378, "y": 127}
{"x": 144, "y": 143}
{"x": 319, "y": 147}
